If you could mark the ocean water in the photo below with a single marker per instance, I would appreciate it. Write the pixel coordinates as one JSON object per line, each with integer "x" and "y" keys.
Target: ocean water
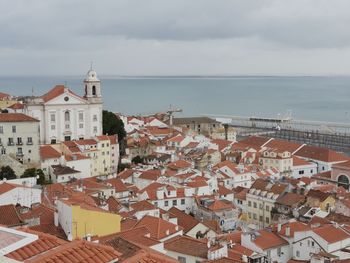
{"x": 310, "y": 98}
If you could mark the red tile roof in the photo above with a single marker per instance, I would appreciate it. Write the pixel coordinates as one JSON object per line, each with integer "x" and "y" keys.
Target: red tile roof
{"x": 43, "y": 245}
{"x": 321, "y": 154}
{"x": 48, "y": 152}
{"x": 331, "y": 234}
{"x": 57, "y": 91}
{"x": 180, "y": 164}
{"x": 299, "y": 161}
{"x": 16, "y": 117}
{"x": 184, "y": 220}
{"x": 78, "y": 251}
{"x": 4, "y": 95}
{"x": 187, "y": 246}
{"x": 159, "y": 228}
{"x": 293, "y": 227}
{"x": 266, "y": 240}
{"x": 9, "y": 216}
{"x": 5, "y": 187}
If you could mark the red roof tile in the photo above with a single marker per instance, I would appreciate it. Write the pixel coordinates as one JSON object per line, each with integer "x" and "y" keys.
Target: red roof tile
{"x": 16, "y": 117}
{"x": 48, "y": 152}
{"x": 9, "y": 216}
{"x": 57, "y": 91}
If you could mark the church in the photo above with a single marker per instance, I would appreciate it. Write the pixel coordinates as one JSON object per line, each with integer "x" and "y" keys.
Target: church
{"x": 66, "y": 116}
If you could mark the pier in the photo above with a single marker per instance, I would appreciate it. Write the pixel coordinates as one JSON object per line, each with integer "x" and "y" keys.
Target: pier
{"x": 333, "y": 135}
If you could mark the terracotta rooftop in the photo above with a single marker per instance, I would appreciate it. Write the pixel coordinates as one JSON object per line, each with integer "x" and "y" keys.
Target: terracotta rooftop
{"x": 317, "y": 194}
{"x": 267, "y": 240}
{"x": 78, "y": 251}
{"x": 158, "y": 228}
{"x": 290, "y": 199}
{"x": 16, "y": 117}
{"x": 57, "y": 91}
{"x": 48, "y": 152}
{"x": 320, "y": 153}
{"x": 9, "y": 216}
{"x": 187, "y": 246}
{"x": 187, "y": 222}
{"x": 331, "y": 234}
{"x": 44, "y": 244}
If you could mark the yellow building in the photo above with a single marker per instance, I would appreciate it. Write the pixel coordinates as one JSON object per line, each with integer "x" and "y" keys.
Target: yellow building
{"x": 316, "y": 198}
{"x": 80, "y": 218}
{"x": 6, "y": 101}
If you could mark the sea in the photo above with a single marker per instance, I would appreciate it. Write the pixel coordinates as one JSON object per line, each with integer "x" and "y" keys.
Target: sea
{"x": 325, "y": 98}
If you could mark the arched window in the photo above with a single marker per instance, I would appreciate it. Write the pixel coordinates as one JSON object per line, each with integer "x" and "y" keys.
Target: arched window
{"x": 85, "y": 89}
{"x": 343, "y": 181}
{"x": 66, "y": 116}
{"x": 94, "y": 90}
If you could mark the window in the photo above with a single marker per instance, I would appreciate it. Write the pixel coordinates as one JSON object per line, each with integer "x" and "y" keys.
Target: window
{"x": 14, "y": 129}
{"x": 19, "y": 151}
{"x": 182, "y": 201}
{"x": 260, "y": 218}
{"x": 53, "y": 117}
{"x": 81, "y": 116}
{"x": 166, "y": 203}
{"x": 254, "y": 204}
{"x": 181, "y": 259}
{"x": 66, "y": 116}
{"x": 3, "y": 150}
{"x": 94, "y": 117}
{"x": 29, "y": 140}
{"x": 156, "y": 204}
{"x": 1, "y": 129}
{"x": 174, "y": 202}
{"x": 94, "y": 90}
{"x": 298, "y": 253}
{"x": 81, "y": 125}
{"x": 19, "y": 141}
{"x": 53, "y": 127}
{"x": 279, "y": 251}
{"x": 249, "y": 203}
{"x": 267, "y": 208}
{"x": 301, "y": 172}
{"x": 254, "y": 216}
{"x": 95, "y": 129}
{"x": 10, "y": 142}
{"x": 67, "y": 126}
{"x": 267, "y": 220}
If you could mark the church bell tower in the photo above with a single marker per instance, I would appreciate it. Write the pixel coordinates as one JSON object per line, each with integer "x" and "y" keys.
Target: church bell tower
{"x": 92, "y": 87}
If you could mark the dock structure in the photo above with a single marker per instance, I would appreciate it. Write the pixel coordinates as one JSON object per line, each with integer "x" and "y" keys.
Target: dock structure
{"x": 333, "y": 135}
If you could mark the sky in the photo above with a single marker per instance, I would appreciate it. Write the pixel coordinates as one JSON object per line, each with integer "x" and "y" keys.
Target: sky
{"x": 175, "y": 37}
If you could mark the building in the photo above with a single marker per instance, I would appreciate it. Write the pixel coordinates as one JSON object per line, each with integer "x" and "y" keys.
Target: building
{"x": 80, "y": 217}
{"x": 280, "y": 159}
{"x": 19, "y": 138}
{"x": 66, "y": 116}
{"x": 19, "y": 194}
{"x": 200, "y": 125}
{"x": 261, "y": 200}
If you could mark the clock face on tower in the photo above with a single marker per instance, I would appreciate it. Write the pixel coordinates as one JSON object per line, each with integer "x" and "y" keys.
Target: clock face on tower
{"x": 66, "y": 98}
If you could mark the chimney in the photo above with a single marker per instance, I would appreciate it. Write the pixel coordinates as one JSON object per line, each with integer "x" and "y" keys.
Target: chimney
{"x": 288, "y": 231}
{"x": 279, "y": 227}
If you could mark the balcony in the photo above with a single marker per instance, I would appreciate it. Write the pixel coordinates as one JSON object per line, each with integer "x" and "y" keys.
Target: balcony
{"x": 10, "y": 144}
{"x": 19, "y": 143}
{"x": 19, "y": 154}
{"x": 29, "y": 143}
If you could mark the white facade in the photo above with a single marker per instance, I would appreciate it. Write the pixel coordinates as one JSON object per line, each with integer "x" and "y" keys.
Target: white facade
{"x": 66, "y": 116}
{"x": 25, "y": 196}
{"x": 19, "y": 138}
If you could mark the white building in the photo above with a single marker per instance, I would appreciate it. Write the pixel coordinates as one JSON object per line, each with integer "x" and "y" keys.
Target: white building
{"x": 66, "y": 116}
{"x": 18, "y": 194}
{"x": 19, "y": 138}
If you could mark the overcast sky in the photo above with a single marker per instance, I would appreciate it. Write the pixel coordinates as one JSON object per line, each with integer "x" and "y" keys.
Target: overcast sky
{"x": 175, "y": 37}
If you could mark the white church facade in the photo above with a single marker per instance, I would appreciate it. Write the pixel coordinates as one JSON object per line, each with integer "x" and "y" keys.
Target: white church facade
{"x": 66, "y": 116}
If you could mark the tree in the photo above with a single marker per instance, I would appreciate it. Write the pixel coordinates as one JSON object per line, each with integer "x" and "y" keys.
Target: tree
{"x": 30, "y": 172}
{"x": 137, "y": 159}
{"x": 113, "y": 125}
{"x": 7, "y": 173}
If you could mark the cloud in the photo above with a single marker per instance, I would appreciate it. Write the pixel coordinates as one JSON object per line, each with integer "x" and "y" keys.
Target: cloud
{"x": 157, "y": 36}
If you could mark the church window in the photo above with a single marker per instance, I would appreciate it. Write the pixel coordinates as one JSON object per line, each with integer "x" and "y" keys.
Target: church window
{"x": 66, "y": 98}
{"x": 81, "y": 116}
{"x": 53, "y": 117}
{"x": 53, "y": 127}
{"x": 95, "y": 129}
{"x": 81, "y": 126}
{"x": 94, "y": 117}
{"x": 66, "y": 116}
{"x": 94, "y": 90}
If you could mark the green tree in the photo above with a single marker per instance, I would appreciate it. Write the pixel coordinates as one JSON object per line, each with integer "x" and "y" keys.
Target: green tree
{"x": 113, "y": 125}
{"x": 137, "y": 159}
{"x": 7, "y": 173}
{"x": 30, "y": 172}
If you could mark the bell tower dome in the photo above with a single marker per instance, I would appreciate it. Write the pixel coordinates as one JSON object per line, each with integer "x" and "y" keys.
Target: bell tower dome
{"x": 92, "y": 87}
